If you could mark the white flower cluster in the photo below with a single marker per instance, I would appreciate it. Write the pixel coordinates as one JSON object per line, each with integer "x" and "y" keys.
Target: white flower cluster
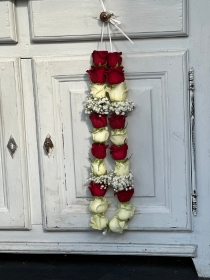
{"x": 97, "y": 105}
{"x": 123, "y": 182}
{"x": 122, "y": 107}
{"x": 103, "y": 179}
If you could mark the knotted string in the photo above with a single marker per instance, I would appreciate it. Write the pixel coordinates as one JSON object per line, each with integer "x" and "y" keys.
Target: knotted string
{"x": 110, "y": 21}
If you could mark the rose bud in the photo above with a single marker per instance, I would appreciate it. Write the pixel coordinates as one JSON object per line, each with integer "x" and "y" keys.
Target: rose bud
{"x": 124, "y": 196}
{"x": 114, "y": 59}
{"x": 99, "y": 58}
{"x": 115, "y": 75}
{"x": 98, "y": 222}
{"x": 98, "y": 120}
{"x": 117, "y": 92}
{"x": 117, "y": 121}
{"x": 119, "y": 152}
{"x": 97, "y": 189}
{"x": 119, "y": 136}
{"x": 98, "y": 167}
{"x": 125, "y": 211}
{"x": 99, "y": 205}
{"x": 99, "y": 150}
{"x": 98, "y": 90}
{"x": 117, "y": 226}
{"x": 100, "y": 135}
{"x": 122, "y": 168}
{"x": 97, "y": 75}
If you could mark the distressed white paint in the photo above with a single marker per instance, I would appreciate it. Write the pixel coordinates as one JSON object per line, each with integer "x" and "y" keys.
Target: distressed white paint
{"x": 14, "y": 200}
{"x": 159, "y": 85}
{"x": 7, "y": 22}
{"x": 198, "y": 44}
{"x": 61, "y": 20}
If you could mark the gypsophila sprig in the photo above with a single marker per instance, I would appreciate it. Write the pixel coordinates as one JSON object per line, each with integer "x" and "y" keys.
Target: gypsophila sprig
{"x": 97, "y": 105}
{"x": 122, "y": 107}
{"x": 103, "y": 179}
{"x": 123, "y": 182}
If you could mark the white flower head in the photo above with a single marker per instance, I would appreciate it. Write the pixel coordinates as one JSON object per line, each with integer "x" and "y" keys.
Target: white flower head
{"x": 122, "y": 167}
{"x": 98, "y": 167}
{"x": 117, "y": 92}
{"x": 116, "y": 225}
{"x": 125, "y": 211}
{"x": 98, "y": 90}
{"x": 99, "y": 205}
{"x": 118, "y": 136}
{"x": 98, "y": 222}
{"x": 100, "y": 135}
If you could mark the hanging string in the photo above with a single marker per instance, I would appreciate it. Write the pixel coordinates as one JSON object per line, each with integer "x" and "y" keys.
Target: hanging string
{"x": 110, "y": 38}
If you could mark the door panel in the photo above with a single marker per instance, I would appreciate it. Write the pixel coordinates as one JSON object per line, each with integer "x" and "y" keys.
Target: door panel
{"x": 7, "y": 22}
{"x": 63, "y": 20}
{"x": 14, "y": 201}
{"x": 158, "y": 132}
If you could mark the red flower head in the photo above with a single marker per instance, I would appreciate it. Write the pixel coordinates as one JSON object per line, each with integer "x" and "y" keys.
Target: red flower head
{"x": 115, "y": 75}
{"x": 99, "y": 150}
{"x": 97, "y": 75}
{"x": 98, "y": 120}
{"x": 119, "y": 152}
{"x": 97, "y": 190}
{"x": 117, "y": 121}
{"x": 124, "y": 196}
{"x": 99, "y": 58}
{"x": 114, "y": 59}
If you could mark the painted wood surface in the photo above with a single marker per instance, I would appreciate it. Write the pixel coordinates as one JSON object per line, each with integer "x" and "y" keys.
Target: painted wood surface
{"x": 7, "y": 22}
{"x": 14, "y": 200}
{"x": 198, "y": 45}
{"x": 159, "y": 143}
{"x": 72, "y": 20}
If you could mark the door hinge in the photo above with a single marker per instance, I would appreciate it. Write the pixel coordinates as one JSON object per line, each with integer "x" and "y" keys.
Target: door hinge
{"x": 194, "y": 203}
{"x": 191, "y": 88}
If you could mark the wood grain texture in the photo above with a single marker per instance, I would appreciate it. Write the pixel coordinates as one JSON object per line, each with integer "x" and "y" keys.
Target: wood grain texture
{"x": 161, "y": 165}
{"x": 8, "y": 32}
{"x": 72, "y": 20}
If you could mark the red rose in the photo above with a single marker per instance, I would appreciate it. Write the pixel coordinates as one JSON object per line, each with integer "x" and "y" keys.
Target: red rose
{"x": 99, "y": 58}
{"x": 97, "y": 75}
{"x": 119, "y": 152}
{"x": 114, "y": 59}
{"x": 117, "y": 121}
{"x": 115, "y": 75}
{"x": 97, "y": 190}
{"x": 99, "y": 150}
{"x": 98, "y": 120}
{"x": 124, "y": 196}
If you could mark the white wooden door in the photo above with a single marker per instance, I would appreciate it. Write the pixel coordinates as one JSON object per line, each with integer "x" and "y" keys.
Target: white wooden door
{"x": 159, "y": 140}
{"x": 14, "y": 200}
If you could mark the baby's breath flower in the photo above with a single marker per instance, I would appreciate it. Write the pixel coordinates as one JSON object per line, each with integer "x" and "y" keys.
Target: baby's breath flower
{"x": 122, "y": 107}
{"x": 97, "y": 105}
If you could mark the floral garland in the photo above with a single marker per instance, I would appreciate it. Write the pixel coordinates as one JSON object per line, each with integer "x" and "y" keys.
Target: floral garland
{"x": 108, "y": 96}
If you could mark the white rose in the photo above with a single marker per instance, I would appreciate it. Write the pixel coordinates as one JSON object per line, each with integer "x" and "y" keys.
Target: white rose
{"x": 98, "y": 167}
{"x": 118, "y": 136}
{"x": 100, "y": 135}
{"x": 99, "y": 205}
{"x": 117, "y": 226}
{"x": 97, "y": 90}
{"x": 98, "y": 222}
{"x": 125, "y": 212}
{"x": 118, "y": 92}
{"x": 122, "y": 168}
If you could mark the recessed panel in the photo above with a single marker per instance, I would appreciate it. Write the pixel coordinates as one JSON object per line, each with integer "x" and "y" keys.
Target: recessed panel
{"x": 73, "y": 20}
{"x": 7, "y": 22}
